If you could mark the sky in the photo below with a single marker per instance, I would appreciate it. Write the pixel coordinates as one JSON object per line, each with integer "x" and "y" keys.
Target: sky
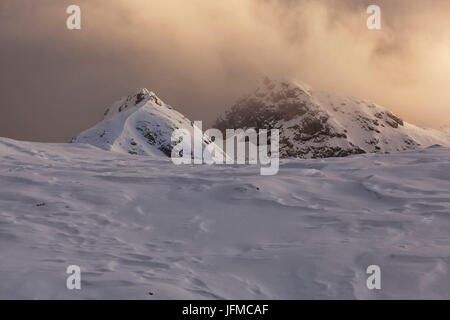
{"x": 202, "y": 55}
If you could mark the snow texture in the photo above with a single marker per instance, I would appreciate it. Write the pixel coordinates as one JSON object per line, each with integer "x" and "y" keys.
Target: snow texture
{"x": 137, "y": 225}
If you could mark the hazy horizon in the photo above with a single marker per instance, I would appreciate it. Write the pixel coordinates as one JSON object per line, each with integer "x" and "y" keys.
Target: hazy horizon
{"x": 200, "y": 56}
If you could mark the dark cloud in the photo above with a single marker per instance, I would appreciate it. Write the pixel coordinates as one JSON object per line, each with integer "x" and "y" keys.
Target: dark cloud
{"x": 200, "y": 55}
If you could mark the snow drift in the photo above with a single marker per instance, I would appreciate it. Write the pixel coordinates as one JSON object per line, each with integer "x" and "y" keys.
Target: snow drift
{"x": 141, "y": 224}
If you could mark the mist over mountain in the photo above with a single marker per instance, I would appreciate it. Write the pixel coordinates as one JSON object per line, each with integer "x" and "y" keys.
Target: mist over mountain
{"x": 200, "y": 55}
{"x": 319, "y": 124}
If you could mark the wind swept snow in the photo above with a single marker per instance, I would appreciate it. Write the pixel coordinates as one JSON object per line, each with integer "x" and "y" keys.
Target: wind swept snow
{"x": 140, "y": 224}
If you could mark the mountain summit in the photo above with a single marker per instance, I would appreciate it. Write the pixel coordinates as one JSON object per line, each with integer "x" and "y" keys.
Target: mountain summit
{"x": 141, "y": 124}
{"x": 319, "y": 125}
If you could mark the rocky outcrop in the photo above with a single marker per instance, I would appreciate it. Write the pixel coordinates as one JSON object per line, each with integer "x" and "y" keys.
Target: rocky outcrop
{"x": 320, "y": 125}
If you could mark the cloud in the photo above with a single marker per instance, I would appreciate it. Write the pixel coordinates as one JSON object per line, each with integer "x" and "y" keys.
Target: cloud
{"x": 201, "y": 55}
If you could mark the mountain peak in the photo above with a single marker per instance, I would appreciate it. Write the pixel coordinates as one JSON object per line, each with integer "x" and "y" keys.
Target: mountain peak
{"x": 139, "y": 124}
{"x": 281, "y": 87}
{"x": 136, "y": 99}
{"x": 318, "y": 125}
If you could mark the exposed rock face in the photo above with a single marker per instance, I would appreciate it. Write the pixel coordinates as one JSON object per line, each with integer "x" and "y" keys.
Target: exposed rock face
{"x": 318, "y": 125}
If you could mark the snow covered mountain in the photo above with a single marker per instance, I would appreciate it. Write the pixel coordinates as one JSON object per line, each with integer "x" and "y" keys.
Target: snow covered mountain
{"x": 139, "y": 124}
{"x": 137, "y": 225}
{"x": 320, "y": 125}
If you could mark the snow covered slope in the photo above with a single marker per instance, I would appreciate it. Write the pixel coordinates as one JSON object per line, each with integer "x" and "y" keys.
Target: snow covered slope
{"x": 141, "y": 224}
{"x": 141, "y": 124}
{"x": 319, "y": 125}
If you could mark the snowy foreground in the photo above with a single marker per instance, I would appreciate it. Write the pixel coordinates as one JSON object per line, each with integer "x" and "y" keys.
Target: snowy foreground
{"x": 138, "y": 224}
